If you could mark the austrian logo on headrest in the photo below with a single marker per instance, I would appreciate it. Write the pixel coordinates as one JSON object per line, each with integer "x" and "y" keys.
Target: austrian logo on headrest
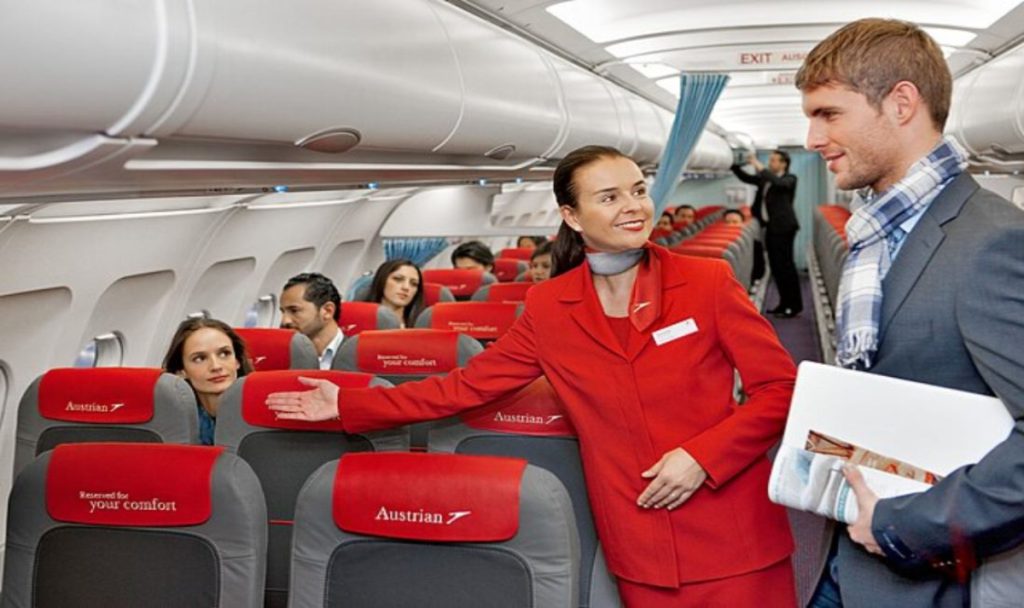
{"x": 93, "y": 408}
{"x": 420, "y": 516}
{"x": 470, "y": 327}
{"x": 527, "y": 418}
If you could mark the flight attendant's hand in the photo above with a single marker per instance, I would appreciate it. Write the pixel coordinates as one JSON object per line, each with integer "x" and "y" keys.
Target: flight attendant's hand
{"x": 676, "y": 477}
{"x": 321, "y": 403}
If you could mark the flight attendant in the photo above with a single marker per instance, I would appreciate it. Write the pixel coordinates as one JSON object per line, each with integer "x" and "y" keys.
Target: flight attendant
{"x": 641, "y": 346}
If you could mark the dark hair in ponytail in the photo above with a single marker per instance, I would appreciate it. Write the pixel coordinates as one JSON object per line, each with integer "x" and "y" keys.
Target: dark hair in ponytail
{"x": 567, "y": 252}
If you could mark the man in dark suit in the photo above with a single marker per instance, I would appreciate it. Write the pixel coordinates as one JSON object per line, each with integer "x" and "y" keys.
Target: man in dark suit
{"x": 931, "y": 292}
{"x": 773, "y": 208}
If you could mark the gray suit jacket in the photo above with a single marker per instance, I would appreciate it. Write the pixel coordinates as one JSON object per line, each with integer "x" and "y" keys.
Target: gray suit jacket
{"x": 953, "y": 316}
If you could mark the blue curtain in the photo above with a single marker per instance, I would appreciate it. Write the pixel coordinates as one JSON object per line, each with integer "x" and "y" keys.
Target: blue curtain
{"x": 811, "y": 191}
{"x": 697, "y": 96}
{"x": 420, "y": 251}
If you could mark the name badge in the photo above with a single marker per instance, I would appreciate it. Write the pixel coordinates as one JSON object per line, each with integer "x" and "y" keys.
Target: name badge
{"x": 675, "y": 331}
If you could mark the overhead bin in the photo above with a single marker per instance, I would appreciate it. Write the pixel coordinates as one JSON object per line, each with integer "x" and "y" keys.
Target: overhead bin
{"x": 510, "y": 103}
{"x": 988, "y": 110}
{"x": 159, "y": 96}
{"x": 712, "y": 153}
{"x": 592, "y": 115}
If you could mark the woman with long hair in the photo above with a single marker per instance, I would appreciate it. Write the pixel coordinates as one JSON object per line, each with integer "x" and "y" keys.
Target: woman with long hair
{"x": 398, "y": 285}
{"x": 210, "y": 356}
{"x": 641, "y": 346}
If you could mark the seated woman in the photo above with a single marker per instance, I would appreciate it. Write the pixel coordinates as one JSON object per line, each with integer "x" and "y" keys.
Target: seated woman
{"x": 210, "y": 356}
{"x": 540, "y": 263}
{"x": 473, "y": 255}
{"x": 397, "y": 286}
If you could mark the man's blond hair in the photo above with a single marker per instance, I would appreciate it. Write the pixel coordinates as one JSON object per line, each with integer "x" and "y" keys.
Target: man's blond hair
{"x": 871, "y": 56}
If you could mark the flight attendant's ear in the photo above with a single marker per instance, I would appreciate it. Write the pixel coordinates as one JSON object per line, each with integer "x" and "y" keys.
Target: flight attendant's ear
{"x": 569, "y": 216}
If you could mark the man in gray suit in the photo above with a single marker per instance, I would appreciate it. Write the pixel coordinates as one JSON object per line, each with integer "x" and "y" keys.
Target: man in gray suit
{"x": 933, "y": 291}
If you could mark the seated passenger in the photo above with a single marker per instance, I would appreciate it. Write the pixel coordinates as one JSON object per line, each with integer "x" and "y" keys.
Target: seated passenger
{"x": 684, "y": 216}
{"x": 473, "y": 255}
{"x": 397, "y": 286}
{"x": 530, "y": 242}
{"x": 311, "y": 304}
{"x": 210, "y": 356}
{"x": 665, "y": 222}
{"x": 733, "y": 217}
{"x": 540, "y": 263}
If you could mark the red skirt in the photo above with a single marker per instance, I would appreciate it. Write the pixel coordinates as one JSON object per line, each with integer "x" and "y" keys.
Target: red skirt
{"x": 771, "y": 587}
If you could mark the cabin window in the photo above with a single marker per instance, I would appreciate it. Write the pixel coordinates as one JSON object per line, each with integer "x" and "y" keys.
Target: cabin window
{"x": 106, "y": 350}
{"x": 262, "y": 312}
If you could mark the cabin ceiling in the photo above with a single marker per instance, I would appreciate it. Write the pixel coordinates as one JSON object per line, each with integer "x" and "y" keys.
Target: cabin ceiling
{"x": 644, "y": 44}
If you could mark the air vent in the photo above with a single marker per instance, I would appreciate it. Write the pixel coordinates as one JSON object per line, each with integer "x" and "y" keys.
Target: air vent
{"x": 500, "y": 152}
{"x": 331, "y": 141}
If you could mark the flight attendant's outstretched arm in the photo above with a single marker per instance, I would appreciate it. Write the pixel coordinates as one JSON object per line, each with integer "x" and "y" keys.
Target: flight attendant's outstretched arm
{"x": 508, "y": 365}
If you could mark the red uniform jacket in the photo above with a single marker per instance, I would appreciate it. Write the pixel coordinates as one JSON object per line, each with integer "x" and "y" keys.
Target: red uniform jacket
{"x": 630, "y": 406}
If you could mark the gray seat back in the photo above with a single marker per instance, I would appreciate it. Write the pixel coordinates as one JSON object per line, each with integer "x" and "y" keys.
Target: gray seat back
{"x": 433, "y": 531}
{"x": 283, "y": 453}
{"x": 74, "y": 405}
{"x": 126, "y": 524}
{"x": 531, "y": 424}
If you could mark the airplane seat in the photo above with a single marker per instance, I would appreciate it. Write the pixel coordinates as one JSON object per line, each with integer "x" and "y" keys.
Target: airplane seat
{"x": 407, "y": 355}
{"x": 135, "y": 524}
{"x": 432, "y": 531}
{"x": 356, "y": 317}
{"x": 435, "y": 292}
{"x": 516, "y": 253}
{"x": 531, "y": 424}
{"x": 503, "y": 292}
{"x": 272, "y": 349}
{"x": 461, "y": 282}
{"x": 507, "y": 270}
{"x": 283, "y": 453}
{"x": 485, "y": 321}
{"x": 76, "y": 405}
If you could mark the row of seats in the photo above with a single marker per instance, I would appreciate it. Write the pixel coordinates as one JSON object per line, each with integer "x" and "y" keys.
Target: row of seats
{"x": 703, "y": 217}
{"x": 829, "y": 242}
{"x": 734, "y": 244}
{"x": 458, "y": 284}
{"x": 111, "y": 404}
{"x": 132, "y": 524}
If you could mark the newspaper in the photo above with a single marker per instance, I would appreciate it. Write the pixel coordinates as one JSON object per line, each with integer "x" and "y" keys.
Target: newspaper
{"x": 811, "y": 478}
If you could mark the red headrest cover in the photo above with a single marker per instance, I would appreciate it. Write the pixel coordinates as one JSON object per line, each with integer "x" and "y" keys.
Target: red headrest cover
{"x": 508, "y": 292}
{"x": 481, "y": 320}
{"x": 357, "y": 317}
{"x": 102, "y": 395}
{"x": 535, "y": 410}
{"x": 408, "y": 351}
{"x": 430, "y": 497}
{"x": 269, "y": 349}
{"x": 130, "y": 484}
{"x": 460, "y": 281}
{"x": 516, "y": 253}
{"x": 508, "y": 270}
{"x": 260, "y": 384}
{"x": 432, "y": 293}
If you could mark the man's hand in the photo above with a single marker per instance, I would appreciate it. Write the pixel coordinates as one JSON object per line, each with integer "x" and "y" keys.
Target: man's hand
{"x": 860, "y": 530}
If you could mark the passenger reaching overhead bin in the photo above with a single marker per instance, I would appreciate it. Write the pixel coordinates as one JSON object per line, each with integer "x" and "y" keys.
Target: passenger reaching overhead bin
{"x": 679, "y": 493}
{"x": 311, "y": 305}
{"x": 773, "y": 209}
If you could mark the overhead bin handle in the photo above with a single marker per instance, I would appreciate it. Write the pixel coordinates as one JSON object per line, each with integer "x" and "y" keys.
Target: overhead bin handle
{"x": 335, "y": 140}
